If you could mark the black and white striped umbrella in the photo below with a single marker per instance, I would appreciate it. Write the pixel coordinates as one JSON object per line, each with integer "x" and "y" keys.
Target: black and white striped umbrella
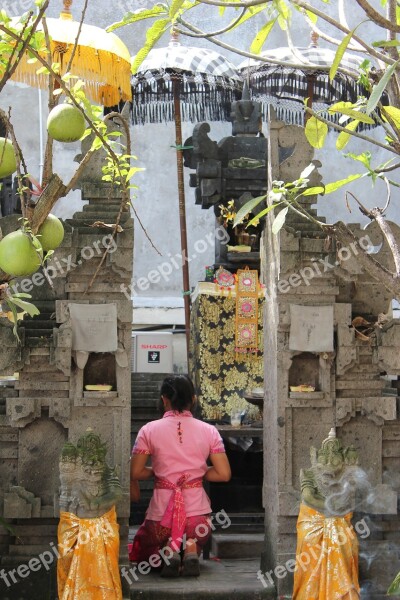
{"x": 306, "y": 75}
{"x": 190, "y": 84}
{"x": 208, "y": 84}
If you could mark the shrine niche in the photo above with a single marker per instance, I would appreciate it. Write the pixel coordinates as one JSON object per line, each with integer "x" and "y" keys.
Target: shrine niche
{"x": 229, "y": 174}
{"x": 221, "y": 375}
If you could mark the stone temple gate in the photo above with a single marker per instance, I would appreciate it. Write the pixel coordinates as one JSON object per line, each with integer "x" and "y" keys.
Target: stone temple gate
{"x": 316, "y": 294}
{"x": 48, "y": 403}
{"x": 310, "y": 338}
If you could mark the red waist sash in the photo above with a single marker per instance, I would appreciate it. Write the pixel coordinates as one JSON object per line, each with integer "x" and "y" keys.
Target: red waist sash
{"x": 175, "y": 513}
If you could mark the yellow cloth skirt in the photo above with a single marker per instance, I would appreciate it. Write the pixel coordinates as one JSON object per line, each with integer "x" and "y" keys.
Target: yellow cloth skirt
{"x": 87, "y": 568}
{"x": 326, "y": 557}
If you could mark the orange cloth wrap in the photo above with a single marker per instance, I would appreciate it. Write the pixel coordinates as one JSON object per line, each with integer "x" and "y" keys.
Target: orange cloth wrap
{"x": 326, "y": 557}
{"x": 88, "y": 565}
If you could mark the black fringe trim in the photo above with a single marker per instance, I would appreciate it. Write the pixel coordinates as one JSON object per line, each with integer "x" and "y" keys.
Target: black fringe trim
{"x": 203, "y": 98}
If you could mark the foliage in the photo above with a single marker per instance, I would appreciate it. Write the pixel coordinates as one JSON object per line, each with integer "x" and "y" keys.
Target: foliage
{"x": 229, "y": 215}
{"x": 20, "y": 37}
{"x": 379, "y": 74}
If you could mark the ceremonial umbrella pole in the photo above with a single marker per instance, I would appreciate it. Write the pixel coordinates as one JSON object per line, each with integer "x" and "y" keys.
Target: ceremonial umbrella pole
{"x": 183, "y": 83}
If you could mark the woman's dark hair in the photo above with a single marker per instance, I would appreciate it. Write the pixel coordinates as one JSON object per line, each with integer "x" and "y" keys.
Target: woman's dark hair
{"x": 179, "y": 390}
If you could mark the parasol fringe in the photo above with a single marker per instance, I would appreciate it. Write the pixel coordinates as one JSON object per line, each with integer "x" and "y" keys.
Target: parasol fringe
{"x": 208, "y": 98}
{"x": 108, "y": 87}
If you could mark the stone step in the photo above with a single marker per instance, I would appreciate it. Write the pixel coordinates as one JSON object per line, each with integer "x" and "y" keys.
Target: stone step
{"x": 148, "y": 377}
{"x": 39, "y": 324}
{"x": 89, "y": 218}
{"x": 38, "y": 333}
{"x": 144, "y": 400}
{"x": 236, "y": 545}
{"x": 39, "y": 342}
{"x": 219, "y": 580}
{"x": 95, "y": 209}
{"x": 28, "y": 549}
{"x": 146, "y": 391}
{"x": 87, "y": 230}
{"x": 8, "y": 391}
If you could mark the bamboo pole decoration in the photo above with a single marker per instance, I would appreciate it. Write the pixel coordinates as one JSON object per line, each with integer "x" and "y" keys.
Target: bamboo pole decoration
{"x": 182, "y": 207}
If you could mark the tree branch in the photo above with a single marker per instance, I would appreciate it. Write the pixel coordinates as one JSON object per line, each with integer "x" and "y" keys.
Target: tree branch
{"x": 377, "y": 18}
{"x": 10, "y": 71}
{"x": 379, "y": 272}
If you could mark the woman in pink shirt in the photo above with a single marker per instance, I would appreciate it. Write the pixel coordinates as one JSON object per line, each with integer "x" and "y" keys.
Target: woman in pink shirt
{"x": 179, "y": 446}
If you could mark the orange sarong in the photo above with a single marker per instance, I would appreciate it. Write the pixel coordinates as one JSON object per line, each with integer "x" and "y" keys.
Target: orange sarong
{"x": 326, "y": 557}
{"x": 87, "y": 568}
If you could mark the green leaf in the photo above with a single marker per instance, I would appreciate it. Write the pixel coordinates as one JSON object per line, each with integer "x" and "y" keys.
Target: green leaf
{"x": 259, "y": 40}
{"x": 153, "y": 34}
{"x": 250, "y": 13}
{"x": 346, "y": 108}
{"x": 175, "y": 7}
{"x": 247, "y": 208}
{"x": 378, "y": 89}
{"x": 386, "y": 43}
{"x": 394, "y": 587}
{"x": 312, "y": 16}
{"x": 335, "y": 185}
{"x": 14, "y": 311}
{"x": 313, "y": 191}
{"x": 21, "y": 295}
{"x": 97, "y": 144}
{"x": 42, "y": 71}
{"x": 279, "y": 220}
{"x": 364, "y": 158}
{"x": 282, "y": 8}
{"x": 261, "y": 214}
{"x": 316, "y": 132}
{"x": 344, "y": 137}
{"x": 393, "y": 113}
{"x": 339, "y": 54}
{"x": 28, "y": 307}
{"x": 132, "y": 171}
{"x": 140, "y": 15}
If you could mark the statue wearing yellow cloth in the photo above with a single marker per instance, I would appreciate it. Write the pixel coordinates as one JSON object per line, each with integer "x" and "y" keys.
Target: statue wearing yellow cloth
{"x": 88, "y": 533}
{"x": 327, "y": 546}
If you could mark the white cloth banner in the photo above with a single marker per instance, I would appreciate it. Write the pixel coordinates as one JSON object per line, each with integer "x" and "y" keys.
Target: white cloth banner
{"x": 311, "y": 328}
{"x": 94, "y": 327}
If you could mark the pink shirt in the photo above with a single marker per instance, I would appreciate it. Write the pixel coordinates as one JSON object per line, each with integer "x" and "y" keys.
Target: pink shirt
{"x": 178, "y": 444}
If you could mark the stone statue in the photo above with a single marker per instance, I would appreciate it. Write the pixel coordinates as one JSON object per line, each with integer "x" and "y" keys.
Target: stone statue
{"x": 327, "y": 547}
{"x": 89, "y": 487}
{"x": 88, "y": 533}
{"x": 330, "y": 485}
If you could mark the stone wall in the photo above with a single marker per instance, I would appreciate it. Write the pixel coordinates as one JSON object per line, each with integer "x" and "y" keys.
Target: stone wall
{"x": 49, "y": 405}
{"x": 352, "y": 379}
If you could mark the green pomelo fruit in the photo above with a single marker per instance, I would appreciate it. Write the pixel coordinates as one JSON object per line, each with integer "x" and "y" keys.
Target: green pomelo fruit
{"x": 8, "y": 163}
{"x": 51, "y": 233}
{"x": 66, "y": 123}
{"x": 18, "y": 256}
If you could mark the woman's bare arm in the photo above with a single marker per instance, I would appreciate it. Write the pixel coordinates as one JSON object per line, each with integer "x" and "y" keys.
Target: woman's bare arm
{"x": 135, "y": 490}
{"x": 138, "y": 467}
{"x": 220, "y": 470}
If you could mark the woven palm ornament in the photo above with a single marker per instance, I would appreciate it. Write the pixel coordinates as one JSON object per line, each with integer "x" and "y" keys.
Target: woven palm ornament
{"x": 246, "y": 325}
